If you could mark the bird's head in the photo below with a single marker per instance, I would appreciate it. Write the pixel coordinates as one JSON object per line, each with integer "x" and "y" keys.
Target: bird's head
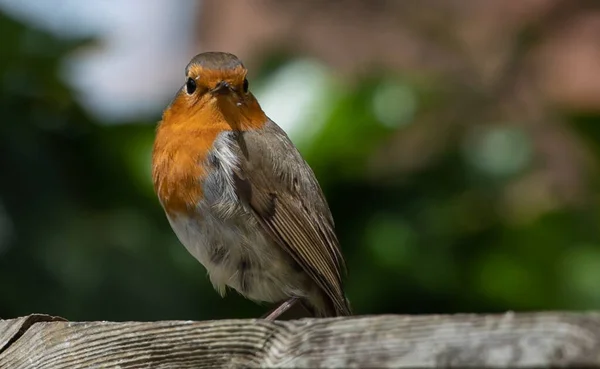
{"x": 215, "y": 90}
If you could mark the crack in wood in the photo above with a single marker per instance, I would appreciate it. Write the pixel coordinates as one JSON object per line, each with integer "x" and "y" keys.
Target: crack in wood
{"x": 26, "y": 323}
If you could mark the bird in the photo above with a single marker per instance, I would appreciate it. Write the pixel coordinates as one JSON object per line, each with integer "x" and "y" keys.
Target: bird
{"x": 241, "y": 198}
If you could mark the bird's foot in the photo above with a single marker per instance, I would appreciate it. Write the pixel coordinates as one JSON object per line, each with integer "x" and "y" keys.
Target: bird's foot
{"x": 285, "y": 306}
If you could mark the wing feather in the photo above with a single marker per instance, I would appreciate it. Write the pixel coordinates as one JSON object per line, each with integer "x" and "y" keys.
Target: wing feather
{"x": 289, "y": 204}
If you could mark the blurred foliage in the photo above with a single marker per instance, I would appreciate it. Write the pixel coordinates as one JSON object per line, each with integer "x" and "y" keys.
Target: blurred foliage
{"x": 83, "y": 236}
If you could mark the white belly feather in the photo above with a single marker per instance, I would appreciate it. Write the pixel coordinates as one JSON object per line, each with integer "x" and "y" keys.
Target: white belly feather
{"x": 230, "y": 244}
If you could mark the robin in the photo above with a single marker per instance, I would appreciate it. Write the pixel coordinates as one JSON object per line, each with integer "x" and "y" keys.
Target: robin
{"x": 241, "y": 198}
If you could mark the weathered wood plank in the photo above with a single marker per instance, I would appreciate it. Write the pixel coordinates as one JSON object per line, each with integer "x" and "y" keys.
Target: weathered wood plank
{"x": 11, "y": 330}
{"x": 389, "y": 341}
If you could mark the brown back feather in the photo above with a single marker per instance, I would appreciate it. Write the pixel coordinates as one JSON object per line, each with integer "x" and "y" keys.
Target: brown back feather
{"x": 282, "y": 191}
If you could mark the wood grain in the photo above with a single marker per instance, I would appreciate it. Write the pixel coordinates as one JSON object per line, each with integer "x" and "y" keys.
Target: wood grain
{"x": 387, "y": 341}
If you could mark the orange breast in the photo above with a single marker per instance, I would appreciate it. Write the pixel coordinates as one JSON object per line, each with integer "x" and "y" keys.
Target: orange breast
{"x": 177, "y": 169}
{"x": 183, "y": 140}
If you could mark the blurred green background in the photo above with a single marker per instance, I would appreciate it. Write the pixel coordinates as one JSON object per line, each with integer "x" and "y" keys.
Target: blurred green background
{"x": 462, "y": 179}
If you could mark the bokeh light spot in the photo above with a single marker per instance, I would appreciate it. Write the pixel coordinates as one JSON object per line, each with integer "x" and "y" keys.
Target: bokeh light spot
{"x": 498, "y": 151}
{"x": 394, "y": 104}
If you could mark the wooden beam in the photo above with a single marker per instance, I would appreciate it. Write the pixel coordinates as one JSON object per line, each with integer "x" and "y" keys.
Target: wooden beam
{"x": 387, "y": 341}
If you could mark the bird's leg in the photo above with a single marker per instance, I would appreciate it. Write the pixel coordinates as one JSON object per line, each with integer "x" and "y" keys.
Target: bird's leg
{"x": 285, "y": 306}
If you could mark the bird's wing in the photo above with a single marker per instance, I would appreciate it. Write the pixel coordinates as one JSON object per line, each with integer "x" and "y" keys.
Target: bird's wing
{"x": 278, "y": 185}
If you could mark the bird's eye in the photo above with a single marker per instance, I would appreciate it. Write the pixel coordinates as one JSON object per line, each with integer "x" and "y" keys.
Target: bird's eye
{"x": 190, "y": 86}
{"x": 245, "y": 87}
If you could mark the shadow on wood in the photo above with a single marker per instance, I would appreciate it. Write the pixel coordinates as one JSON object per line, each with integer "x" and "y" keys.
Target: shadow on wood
{"x": 387, "y": 341}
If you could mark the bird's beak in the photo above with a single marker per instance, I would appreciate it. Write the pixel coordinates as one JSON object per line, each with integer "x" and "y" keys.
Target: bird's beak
{"x": 222, "y": 88}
